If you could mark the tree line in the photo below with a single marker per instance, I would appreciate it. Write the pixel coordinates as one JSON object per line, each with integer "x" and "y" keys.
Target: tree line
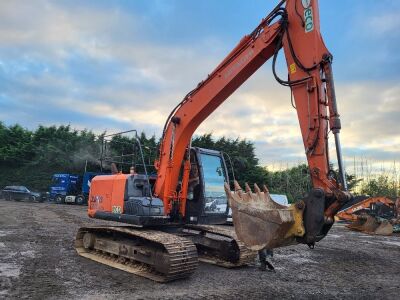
{"x": 30, "y": 157}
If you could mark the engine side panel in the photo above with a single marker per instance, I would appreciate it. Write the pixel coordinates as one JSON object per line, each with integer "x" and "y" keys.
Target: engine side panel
{"x": 125, "y": 198}
{"x": 107, "y": 194}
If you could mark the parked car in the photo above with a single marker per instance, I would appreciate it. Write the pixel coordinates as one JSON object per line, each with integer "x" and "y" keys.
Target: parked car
{"x": 19, "y": 192}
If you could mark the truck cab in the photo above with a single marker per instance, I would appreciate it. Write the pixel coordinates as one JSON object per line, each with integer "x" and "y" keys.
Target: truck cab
{"x": 63, "y": 185}
{"x": 71, "y": 188}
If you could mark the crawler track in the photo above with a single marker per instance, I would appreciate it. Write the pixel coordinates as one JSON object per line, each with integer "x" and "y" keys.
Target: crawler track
{"x": 172, "y": 257}
{"x": 243, "y": 256}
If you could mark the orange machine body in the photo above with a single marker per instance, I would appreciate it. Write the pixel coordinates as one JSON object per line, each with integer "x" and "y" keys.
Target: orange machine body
{"x": 107, "y": 194}
{"x": 350, "y": 213}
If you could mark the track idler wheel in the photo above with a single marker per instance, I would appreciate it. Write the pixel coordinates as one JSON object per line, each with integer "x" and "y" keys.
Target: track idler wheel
{"x": 260, "y": 222}
{"x": 88, "y": 240}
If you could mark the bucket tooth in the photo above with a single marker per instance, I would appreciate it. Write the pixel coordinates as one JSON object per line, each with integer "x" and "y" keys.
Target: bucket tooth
{"x": 247, "y": 187}
{"x": 259, "y": 221}
{"x": 238, "y": 189}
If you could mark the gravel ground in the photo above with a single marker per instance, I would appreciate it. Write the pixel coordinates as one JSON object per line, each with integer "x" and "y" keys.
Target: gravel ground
{"x": 38, "y": 261}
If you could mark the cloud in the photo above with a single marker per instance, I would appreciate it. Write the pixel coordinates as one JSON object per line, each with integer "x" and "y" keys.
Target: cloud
{"x": 384, "y": 24}
{"x": 370, "y": 112}
{"x": 53, "y": 29}
{"x": 96, "y": 66}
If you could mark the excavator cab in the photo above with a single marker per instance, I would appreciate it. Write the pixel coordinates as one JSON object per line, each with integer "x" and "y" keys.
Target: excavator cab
{"x": 128, "y": 198}
{"x": 206, "y": 201}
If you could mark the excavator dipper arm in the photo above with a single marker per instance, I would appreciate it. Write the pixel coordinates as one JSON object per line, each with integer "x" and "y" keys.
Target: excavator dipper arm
{"x": 295, "y": 28}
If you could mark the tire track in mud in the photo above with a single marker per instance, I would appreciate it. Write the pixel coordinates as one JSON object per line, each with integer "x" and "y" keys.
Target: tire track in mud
{"x": 78, "y": 275}
{"x": 39, "y": 242}
{"x": 37, "y": 257}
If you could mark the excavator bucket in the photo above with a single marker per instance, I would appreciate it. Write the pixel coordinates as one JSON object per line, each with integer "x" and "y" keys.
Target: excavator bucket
{"x": 369, "y": 224}
{"x": 260, "y": 222}
{"x": 384, "y": 228}
{"x": 364, "y": 223}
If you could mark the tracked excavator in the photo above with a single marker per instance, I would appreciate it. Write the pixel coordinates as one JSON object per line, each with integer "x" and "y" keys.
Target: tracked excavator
{"x": 172, "y": 225}
{"x": 374, "y": 215}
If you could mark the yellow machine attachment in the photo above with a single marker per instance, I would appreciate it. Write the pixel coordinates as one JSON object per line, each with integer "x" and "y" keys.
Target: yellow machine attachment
{"x": 371, "y": 225}
{"x": 260, "y": 222}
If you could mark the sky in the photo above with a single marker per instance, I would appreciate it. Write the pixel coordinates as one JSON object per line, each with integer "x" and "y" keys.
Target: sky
{"x": 120, "y": 65}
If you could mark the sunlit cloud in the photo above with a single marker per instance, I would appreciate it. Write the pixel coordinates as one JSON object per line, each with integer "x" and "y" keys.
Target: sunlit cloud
{"x": 116, "y": 66}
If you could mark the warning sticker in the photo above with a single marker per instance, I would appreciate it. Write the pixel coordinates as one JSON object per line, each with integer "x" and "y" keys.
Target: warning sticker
{"x": 116, "y": 209}
{"x": 292, "y": 68}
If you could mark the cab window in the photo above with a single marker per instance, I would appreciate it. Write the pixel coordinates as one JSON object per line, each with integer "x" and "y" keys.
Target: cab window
{"x": 214, "y": 178}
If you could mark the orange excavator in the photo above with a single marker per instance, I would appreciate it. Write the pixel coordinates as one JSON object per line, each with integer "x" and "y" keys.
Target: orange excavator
{"x": 380, "y": 206}
{"x": 374, "y": 215}
{"x": 174, "y": 222}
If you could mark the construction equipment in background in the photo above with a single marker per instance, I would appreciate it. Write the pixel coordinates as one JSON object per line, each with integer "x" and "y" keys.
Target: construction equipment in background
{"x": 371, "y": 225}
{"x": 377, "y": 206}
{"x": 375, "y": 215}
{"x": 178, "y": 219}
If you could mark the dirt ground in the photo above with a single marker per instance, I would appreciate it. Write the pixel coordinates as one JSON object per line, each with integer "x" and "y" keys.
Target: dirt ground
{"x": 38, "y": 261}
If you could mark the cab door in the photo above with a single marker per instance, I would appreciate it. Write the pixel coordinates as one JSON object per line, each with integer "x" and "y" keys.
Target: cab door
{"x": 207, "y": 202}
